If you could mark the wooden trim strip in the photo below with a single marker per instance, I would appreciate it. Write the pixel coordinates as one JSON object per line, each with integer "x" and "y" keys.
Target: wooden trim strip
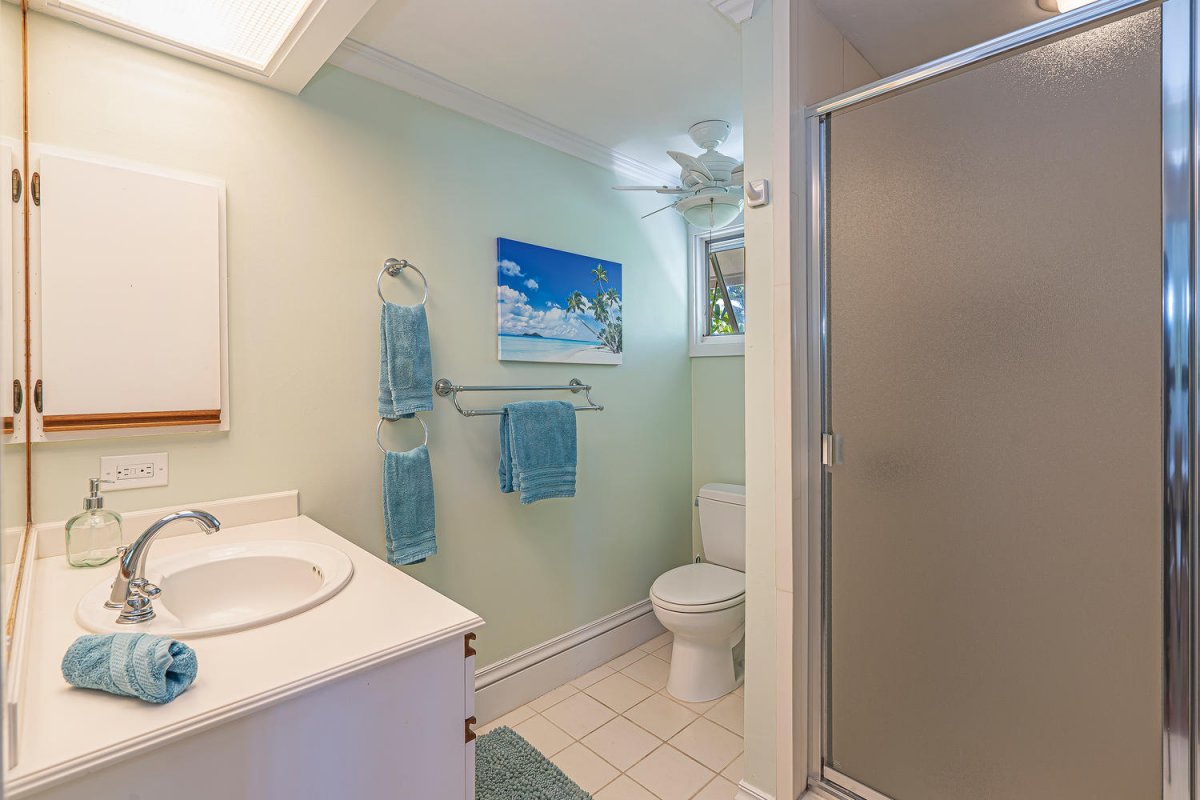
{"x": 8, "y": 424}
{"x": 131, "y": 419}
{"x": 470, "y": 734}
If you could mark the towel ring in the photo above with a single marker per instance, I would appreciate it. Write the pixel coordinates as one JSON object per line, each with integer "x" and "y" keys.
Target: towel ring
{"x": 379, "y": 428}
{"x": 393, "y": 267}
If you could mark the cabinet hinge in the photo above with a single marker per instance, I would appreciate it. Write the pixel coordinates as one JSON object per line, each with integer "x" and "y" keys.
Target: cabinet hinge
{"x": 468, "y": 651}
{"x": 831, "y": 449}
{"x": 35, "y": 189}
{"x": 470, "y": 734}
{"x": 16, "y": 185}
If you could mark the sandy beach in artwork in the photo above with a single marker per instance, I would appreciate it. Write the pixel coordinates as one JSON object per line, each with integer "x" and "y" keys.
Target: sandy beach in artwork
{"x": 568, "y": 351}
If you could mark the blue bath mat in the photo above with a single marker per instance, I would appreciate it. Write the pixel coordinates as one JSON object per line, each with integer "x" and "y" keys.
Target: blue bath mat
{"x": 509, "y": 768}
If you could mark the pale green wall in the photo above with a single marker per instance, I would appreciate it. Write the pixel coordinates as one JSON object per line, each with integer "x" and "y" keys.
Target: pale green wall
{"x": 321, "y": 188}
{"x": 718, "y": 404}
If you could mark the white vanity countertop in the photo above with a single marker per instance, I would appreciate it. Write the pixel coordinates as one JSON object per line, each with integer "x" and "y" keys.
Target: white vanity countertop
{"x": 380, "y": 615}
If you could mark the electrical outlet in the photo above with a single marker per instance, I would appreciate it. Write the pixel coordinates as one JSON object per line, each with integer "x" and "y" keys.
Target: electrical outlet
{"x": 133, "y": 472}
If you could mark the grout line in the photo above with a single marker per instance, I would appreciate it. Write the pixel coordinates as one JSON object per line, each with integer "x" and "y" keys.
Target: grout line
{"x": 717, "y": 774}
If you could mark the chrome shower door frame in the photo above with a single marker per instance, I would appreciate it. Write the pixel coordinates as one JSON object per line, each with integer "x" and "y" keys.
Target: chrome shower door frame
{"x": 1181, "y": 400}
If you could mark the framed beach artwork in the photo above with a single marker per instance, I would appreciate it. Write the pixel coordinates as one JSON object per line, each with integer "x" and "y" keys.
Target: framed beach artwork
{"x": 556, "y": 306}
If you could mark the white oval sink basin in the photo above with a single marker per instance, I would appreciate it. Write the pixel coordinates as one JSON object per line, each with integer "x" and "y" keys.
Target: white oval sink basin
{"x": 226, "y": 588}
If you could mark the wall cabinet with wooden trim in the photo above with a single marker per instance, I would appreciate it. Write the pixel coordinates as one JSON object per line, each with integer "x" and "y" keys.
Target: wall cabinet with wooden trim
{"x": 127, "y": 312}
{"x": 11, "y": 253}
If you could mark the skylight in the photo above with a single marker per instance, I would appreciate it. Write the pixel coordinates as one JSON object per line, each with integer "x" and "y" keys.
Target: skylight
{"x": 245, "y": 32}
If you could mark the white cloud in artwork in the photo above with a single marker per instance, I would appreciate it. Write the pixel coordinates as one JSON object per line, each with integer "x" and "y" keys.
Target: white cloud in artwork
{"x": 531, "y": 284}
{"x": 517, "y": 317}
{"x": 511, "y": 268}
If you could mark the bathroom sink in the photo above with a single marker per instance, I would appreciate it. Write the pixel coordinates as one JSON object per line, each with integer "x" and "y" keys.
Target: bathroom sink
{"x": 227, "y": 588}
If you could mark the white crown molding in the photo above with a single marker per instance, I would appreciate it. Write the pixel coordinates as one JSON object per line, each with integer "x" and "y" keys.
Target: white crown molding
{"x": 374, "y": 64}
{"x": 738, "y": 11}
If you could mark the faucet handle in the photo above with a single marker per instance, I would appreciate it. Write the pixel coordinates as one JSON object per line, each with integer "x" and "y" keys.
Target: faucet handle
{"x": 145, "y": 588}
{"x": 138, "y": 607}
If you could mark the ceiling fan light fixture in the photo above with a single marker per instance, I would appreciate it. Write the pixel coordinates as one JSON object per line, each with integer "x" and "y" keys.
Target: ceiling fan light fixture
{"x": 710, "y": 211}
{"x": 1062, "y": 6}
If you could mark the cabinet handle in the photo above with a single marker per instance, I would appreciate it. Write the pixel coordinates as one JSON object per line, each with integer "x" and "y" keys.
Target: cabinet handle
{"x": 467, "y": 723}
{"x": 468, "y": 651}
{"x": 37, "y": 396}
{"x": 16, "y": 185}
{"x": 18, "y": 397}
{"x": 35, "y": 189}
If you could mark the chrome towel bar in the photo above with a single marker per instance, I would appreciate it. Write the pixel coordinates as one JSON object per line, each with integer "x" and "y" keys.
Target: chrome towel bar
{"x": 446, "y": 388}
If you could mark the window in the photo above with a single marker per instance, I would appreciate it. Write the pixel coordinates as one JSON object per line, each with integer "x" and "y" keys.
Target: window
{"x": 719, "y": 292}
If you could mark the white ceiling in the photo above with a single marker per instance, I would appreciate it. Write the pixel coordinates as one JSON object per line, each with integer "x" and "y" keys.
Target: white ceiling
{"x": 631, "y": 75}
{"x": 897, "y": 34}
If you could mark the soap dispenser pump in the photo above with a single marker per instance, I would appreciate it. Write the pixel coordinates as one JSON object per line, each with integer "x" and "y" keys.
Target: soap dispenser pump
{"x": 94, "y": 535}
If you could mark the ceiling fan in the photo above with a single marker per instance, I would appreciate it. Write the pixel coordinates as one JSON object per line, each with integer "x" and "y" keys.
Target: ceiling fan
{"x": 710, "y": 184}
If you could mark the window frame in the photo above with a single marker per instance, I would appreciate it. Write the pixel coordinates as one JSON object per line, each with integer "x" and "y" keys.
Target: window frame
{"x": 701, "y": 345}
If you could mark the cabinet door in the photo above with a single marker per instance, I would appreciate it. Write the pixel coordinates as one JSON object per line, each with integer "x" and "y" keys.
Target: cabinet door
{"x": 10, "y": 251}
{"x": 131, "y": 292}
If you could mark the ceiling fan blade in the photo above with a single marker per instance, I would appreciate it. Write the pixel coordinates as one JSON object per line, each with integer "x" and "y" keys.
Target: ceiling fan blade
{"x": 737, "y": 176}
{"x": 652, "y": 213}
{"x": 691, "y": 164}
{"x": 659, "y": 189}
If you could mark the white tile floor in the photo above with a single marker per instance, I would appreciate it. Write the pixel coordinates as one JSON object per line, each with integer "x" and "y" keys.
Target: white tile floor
{"x": 618, "y": 734}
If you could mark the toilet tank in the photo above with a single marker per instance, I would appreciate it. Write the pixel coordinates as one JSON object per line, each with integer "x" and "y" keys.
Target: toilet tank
{"x": 723, "y": 524}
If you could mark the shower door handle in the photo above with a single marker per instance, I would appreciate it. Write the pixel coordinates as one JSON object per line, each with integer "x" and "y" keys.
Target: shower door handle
{"x": 831, "y": 449}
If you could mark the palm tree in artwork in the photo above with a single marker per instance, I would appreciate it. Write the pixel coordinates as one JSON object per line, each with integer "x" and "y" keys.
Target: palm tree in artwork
{"x": 605, "y": 308}
{"x": 576, "y": 301}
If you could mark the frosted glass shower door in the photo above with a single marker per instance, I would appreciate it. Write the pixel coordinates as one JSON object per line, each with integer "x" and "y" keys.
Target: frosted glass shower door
{"x": 994, "y": 368}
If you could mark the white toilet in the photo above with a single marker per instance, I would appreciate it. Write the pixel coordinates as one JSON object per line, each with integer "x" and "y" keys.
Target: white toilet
{"x": 704, "y": 604}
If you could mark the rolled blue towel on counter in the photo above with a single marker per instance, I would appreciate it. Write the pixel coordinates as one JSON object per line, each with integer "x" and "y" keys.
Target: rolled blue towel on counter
{"x": 405, "y": 363}
{"x": 151, "y": 668}
{"x": 538, "y": 449}
{"x": 408, "y": 506}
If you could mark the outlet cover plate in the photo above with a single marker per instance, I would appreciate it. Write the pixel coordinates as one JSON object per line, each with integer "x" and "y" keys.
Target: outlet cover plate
{"x": 133, "y": 472}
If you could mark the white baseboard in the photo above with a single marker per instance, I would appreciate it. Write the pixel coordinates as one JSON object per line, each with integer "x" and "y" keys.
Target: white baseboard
{"x": 748, "y": 792}
{"x": 514, "y": 681}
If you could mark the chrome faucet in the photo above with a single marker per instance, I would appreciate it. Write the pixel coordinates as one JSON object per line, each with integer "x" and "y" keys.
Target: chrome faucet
{"x": 131, "y": 592}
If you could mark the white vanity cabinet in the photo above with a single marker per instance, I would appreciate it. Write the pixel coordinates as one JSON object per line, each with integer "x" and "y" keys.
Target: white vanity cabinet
{"x": 394, "y": 731}
{"x": 368, "y": 695}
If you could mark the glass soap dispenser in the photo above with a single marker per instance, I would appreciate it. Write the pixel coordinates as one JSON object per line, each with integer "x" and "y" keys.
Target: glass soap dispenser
{"x": 94, "y": 535}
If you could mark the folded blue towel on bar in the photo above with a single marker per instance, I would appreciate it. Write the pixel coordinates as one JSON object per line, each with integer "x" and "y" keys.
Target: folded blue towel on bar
{"x": 538, "y": 449}
{"x": 151, "y": 668}
{"x": 408, "y": 506}
{"x": 405, "y": 364}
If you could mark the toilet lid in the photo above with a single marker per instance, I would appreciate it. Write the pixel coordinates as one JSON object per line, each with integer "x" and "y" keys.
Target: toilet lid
{"x": 699, "y": 585}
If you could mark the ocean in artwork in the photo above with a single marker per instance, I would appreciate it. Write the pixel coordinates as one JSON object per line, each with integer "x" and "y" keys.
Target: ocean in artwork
{"x": 555, "y": 306}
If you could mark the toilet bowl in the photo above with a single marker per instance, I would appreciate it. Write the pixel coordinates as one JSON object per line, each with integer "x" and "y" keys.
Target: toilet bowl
{"x": 704, "y": 604}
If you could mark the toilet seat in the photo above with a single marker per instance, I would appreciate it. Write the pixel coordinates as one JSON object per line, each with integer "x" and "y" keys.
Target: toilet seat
{"x": 699, "y": 588}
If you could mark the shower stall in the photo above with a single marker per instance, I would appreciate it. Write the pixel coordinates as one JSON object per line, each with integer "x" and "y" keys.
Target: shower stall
{"x": 1003, "y": 272}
